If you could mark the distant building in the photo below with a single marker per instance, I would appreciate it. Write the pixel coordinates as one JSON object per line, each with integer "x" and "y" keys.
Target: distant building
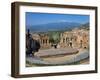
{"x": 78, "y": 38}
{"x": 66, "y": 39}
{"x": 43, "y": 39}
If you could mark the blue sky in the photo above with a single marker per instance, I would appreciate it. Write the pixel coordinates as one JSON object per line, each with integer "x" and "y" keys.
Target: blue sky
{"x": 44, "y": 18}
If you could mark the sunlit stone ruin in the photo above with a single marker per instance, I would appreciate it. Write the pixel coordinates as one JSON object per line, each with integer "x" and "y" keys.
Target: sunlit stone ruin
{"x": 77, "y": 38}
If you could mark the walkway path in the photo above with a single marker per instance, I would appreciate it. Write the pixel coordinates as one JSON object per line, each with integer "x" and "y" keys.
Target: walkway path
{"x": 56, "y": 52}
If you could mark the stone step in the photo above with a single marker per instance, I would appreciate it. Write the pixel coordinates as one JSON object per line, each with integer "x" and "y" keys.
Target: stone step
{"x": 56, "y": 52}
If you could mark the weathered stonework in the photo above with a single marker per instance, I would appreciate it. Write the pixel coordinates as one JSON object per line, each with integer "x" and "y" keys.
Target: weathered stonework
{"x": 77, "y": 38}
{"x": 44, "y": 41}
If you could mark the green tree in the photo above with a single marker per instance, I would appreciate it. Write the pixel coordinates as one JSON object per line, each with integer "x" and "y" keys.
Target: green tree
{"x": 54, "y": 37}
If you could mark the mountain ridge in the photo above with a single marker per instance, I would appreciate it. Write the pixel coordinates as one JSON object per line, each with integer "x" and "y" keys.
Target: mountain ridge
{"x": 54, "y": 26}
